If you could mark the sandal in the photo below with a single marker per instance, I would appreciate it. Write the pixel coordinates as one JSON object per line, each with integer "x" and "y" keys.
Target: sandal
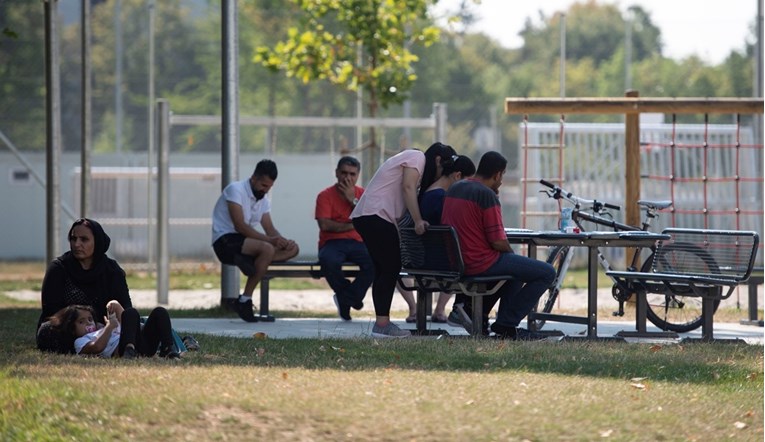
{"x": 438, "y": 319}
{"x": 190, "y": 343}
{"x": 411, "y": 319}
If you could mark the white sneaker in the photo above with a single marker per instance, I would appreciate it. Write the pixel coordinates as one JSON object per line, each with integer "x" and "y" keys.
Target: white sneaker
{"x": 389, "y": 331}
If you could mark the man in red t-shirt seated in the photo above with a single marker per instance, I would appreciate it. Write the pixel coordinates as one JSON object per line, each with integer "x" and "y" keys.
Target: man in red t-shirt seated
{"x": 472, "y": 207}
{"x": 338, "y": 240}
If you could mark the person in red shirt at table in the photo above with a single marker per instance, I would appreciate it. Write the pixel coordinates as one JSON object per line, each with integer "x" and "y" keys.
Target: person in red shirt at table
{"x": 472, "y": 207}
{"x": 339, "y": 241}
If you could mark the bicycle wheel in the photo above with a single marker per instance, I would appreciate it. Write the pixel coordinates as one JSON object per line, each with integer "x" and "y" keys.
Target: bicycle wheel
{"x": 672, "y": 311}
{"x": 547, "y": 302}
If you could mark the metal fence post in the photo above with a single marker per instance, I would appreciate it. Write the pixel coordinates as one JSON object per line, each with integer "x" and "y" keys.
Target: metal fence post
{"x": 163, "y": 175}
{"x": 229, "y": 288}
{"x": 53, "y": 131}
{"x": 439, "y": 112}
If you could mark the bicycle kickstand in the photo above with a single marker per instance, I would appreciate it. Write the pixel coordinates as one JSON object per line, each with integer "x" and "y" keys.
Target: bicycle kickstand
{"x": 619, "y": 312}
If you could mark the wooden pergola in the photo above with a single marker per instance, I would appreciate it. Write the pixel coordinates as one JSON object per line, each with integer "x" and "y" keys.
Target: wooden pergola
{"x": 632, "y": 106}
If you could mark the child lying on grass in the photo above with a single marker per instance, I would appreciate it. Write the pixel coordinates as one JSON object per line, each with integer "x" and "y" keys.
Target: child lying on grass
{"x": 122, "y": 335}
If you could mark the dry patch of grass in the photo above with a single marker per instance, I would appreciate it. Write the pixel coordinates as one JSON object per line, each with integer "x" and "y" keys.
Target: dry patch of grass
{"x": 500, "y": 401}
{"x": 365, "y": 389}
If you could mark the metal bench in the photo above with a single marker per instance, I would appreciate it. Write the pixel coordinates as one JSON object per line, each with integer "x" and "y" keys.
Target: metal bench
{"x": 293, "y": 269}
{"x": 701, "y": 263}
{"x": 434, "y": 260}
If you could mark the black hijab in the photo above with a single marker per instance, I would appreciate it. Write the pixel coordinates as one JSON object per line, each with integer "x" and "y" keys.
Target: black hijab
{"x": 101, "y": 242}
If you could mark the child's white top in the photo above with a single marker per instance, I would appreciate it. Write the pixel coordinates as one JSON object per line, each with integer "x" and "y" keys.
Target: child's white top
{"x": 111, "y": 346}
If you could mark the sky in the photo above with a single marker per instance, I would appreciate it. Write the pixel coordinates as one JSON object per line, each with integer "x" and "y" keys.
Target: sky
{"x": 709, "y": 29}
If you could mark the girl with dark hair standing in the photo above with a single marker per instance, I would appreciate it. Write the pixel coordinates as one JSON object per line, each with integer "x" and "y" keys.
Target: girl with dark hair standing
{"x": 390, "y": 192}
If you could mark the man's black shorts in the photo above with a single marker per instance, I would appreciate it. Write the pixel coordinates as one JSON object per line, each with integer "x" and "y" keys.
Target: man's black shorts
{"x": 228, "y": 246}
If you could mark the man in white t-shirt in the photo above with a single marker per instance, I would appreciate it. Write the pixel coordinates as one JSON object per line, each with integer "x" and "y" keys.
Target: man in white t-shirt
{"x": 239, "y": 209}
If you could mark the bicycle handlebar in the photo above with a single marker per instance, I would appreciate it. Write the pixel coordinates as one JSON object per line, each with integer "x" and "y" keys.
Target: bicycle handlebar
{"x": 560, "y": 193}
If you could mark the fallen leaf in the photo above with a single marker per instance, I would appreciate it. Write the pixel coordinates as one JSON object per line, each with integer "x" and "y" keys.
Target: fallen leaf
{"x": 340, "y": 349}
{"x": 284, "y": 375}
{"x": 751, "y": 376}
{"x": 259, "y": 335}
{"x": 606, "y": 433}
{"x": 470, "y": 402}
{"x": 739, "y": 425}
{"x": 655, "y": 348}
{"x": 749, "y": 413}
{"x": 637, "y": 385}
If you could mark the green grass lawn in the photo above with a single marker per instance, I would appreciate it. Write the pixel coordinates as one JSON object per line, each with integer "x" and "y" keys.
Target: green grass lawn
{"x": 365, "y": 389}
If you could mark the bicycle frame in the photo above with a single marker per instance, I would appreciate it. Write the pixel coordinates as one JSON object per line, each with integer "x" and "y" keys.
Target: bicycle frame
{"x": 578, "y": 216}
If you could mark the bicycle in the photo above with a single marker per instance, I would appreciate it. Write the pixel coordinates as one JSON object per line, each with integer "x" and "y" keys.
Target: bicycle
{"x": 667, "y": 310}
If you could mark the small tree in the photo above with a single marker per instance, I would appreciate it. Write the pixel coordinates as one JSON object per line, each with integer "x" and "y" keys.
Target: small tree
{"x": 334, "y": 33}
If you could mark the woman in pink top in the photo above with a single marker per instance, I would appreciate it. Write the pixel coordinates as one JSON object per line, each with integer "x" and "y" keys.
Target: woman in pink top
{"x": 390, "y": 192}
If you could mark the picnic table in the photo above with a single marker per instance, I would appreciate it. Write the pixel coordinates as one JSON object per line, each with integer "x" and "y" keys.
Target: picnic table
{"x": 591, "y": 241}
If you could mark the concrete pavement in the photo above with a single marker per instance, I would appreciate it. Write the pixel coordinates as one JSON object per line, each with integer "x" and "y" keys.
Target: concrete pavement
{"x": 321, "y": 300}
{"x": 361, "y": 329}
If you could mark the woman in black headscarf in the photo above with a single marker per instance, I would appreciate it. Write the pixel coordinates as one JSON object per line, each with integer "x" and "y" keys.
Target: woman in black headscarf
{"x": 85, "y": 276}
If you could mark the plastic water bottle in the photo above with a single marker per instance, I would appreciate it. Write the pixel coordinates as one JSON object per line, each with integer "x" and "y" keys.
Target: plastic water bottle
{"x": 566, "y": 223}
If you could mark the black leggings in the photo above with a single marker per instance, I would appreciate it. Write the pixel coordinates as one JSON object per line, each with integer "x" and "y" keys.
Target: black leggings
{"x": 381, "y": 239}
{"x": 155, "y": 333}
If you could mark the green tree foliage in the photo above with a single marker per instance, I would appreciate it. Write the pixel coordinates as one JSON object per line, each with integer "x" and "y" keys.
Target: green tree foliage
{"x": 317, "y": 40}
{"x": 22, "y": 78}
{"x": 334, "y": 34}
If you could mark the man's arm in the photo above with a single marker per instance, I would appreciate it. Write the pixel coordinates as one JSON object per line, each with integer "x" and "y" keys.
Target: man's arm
{"x": 237, "y": 217}
{"x": 329, "y": 225}
{"x": 324, "y": 213}
{"x": 274, "y": 237}
{"x": 501, "y": 246}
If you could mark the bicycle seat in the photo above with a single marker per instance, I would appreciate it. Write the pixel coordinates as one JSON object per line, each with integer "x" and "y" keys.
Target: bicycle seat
{"x": 661, "y": 204}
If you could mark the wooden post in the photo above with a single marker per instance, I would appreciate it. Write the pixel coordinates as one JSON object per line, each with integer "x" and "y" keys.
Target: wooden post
{"x": 631, "y": 169}
{"x": 632, "y": 164}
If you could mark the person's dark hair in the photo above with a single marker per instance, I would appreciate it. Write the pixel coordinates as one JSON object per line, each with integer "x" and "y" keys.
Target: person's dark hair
{"x": 100, "y": 239}
{"x": 350, "y": 161}
{"x": 266, "y": 168}
{"x": 491, "y": 163}
{"x": 63, "y": 320}
{"x": 437, "y": 149}
{"x": 458, "y": 163}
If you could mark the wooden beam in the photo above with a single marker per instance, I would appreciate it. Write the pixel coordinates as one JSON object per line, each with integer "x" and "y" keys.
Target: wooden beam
{"x": 636, "y": 105}
{"x": 631, "y": 169}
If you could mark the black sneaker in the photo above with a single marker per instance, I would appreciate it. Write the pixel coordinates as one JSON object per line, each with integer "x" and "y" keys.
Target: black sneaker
{"x": 244, "y": 310}
{"x": 503, "y": 331}
{"x": 522, "y": 334}
{"x": 169, "y": 353}
{"x": 129, "y": 353}
{"x": 515, "y": 333}
{"x": 343, "y": 310}
{"x": 245, "y": 263}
